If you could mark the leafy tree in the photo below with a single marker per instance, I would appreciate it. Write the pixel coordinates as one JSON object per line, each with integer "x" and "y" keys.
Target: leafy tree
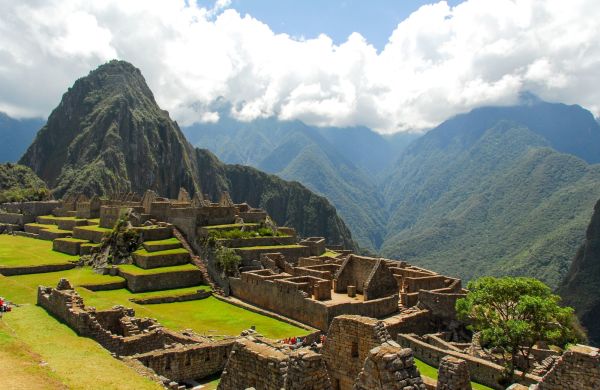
{"x": 513, "y": 314}
{"x": 227, "y": 260}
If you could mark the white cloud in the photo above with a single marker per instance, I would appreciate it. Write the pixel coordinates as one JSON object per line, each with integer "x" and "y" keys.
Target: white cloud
{"x": 438, "y": 62}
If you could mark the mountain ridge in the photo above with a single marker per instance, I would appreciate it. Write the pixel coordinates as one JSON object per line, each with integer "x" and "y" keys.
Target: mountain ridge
{"x": 108, "y": 135}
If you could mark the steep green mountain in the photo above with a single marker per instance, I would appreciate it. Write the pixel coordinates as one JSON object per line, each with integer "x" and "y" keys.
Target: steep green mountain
{"x": 19, "y": 183}
{"x": 339, "y": 163}
{"x": 16, "y": 135}
{"x": 580, "y": 287}
{"x": 499, "y": 190}
{"x": 478, "y": 195}
{"x": 109, "y": 135}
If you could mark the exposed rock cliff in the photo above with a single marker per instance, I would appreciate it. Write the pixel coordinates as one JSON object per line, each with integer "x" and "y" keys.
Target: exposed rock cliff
{"x": 109, "y": 135}
{"x": 580, "y": 287}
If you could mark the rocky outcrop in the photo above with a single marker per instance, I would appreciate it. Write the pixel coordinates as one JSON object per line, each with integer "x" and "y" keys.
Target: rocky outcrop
{"x": 580, "y": 287}
{"x": 109, "y": 135}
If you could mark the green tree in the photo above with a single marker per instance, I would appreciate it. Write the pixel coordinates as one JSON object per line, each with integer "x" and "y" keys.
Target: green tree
{"x": 513, "y": 314}
{"x": 227, "y": 260}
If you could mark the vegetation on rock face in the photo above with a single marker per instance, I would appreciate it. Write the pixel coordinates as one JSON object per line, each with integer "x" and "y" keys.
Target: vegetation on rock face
{"x": 108, "y": 135}
{"x": 227, "y": 260}
{"x": 513, "y": 314}
{"x": 581, "y": 285}
{"x": 468, "y": 201}
{"x": 19, "y": 183}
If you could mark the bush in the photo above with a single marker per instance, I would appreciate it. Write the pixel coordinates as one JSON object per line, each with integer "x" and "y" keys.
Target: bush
{"x": 227, "y": 260}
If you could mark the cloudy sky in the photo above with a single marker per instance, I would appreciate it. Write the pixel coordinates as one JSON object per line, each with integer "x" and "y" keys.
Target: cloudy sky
{"x": 389, "y": 65}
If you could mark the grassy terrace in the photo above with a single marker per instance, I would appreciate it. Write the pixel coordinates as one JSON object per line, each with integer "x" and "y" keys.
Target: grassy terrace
{"x": 208, "y": 316}
{"x": 248, "y": 248}
{"x": 94, "y": 228}
{"x": 18, "y": 251}
{"x": 135, "y": 270}
{"x": 230, "y": 226}
{"x": 432, "y": 372}
{"x": 70, "y": 239}
{"x": 53, "y": 218}
{"x": 37, "y": 351}
{"x": 168, "y": 241}
{"x": 176, "y": 251}
{"x": 330, "y": 254}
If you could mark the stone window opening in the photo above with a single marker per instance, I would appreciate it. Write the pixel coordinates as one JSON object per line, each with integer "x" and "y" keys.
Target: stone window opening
{"x": 168, "y": 364}
{"x": 354, "y": 351}
{"x": 207, "y": 357}
{"x": 188, "y": 361}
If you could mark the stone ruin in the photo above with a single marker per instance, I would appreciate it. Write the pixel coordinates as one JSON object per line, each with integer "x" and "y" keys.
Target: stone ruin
{"x": 169, "y": 356}
{"x": 453, "y": 374}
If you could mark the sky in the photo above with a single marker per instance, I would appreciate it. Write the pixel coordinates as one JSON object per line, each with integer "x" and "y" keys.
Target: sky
{"x": 389, "y": 65}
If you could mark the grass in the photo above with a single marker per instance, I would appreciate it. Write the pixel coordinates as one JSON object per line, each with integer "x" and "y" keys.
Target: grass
{"x": 432, "y": 372}
{"x": 25, "y": 368}
{"x": 230, "y": 226}
{"x": 16, "y": 251}
{"x": 23, "y": 288}
{"x": 69, "y": 239}
{"x": 71, "y": 362}
{"x": 135, "y": 270}
{"x": 208, "y": 316}
{"x": 176, "y": 251}
{"x": 41, "y": 225}
{"x": 53, "y": 218}
{"x": 330, "y": 253}
{"x": 168, "y": 241}
{"x": 269, "y": 247}
{"x": 94, "y": 228}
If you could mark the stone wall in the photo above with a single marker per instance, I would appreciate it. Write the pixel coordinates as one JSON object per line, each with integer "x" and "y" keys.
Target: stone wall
{"x": 453, "y": 374}
{"x": 163, "y": 281}
{"x": 440, "y": 304}
{"x": 35, "y": 269}
{"x": 188, "y": 361}
{"x": 254, "y": 365}
{"x": 482, "y": 371}
{"x": 261, "y": 364}
{"x": 177, "y": 356}
{"x": 577, "y": 369}
{"x": 258, "y": 241}
{"x": 349, "y": 341}
{"x": 389, "y": 367}
{"x": 270, "y": 291}
{"x": 380, "y": 282}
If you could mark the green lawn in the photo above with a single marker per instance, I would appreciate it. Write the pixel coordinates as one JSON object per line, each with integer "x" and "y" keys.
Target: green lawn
{"x": 69, "y": 239}
{"x": 330, "y": 254}
{"x": 168, "y": 241}
{"x": 94, "y": 228}
{"x": 16, "y": 251}
{"x": 135, "y": 270}
{"x": 70, "y": 361}
{"x": 208, "y": 316}
{"x": 432, "y": 372}
{"x": 143, "y": 252}
{"x": 23, "y": 288}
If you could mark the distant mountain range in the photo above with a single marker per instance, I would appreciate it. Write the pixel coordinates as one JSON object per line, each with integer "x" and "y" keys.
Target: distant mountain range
{"x": 343, "y": 164}
{"x": 108, "y": 135}
{"x": 16, "y": 135}
{"x": 499, "y": 190}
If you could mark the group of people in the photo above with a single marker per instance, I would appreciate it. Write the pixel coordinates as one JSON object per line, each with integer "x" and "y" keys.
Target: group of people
{"x": 301, "y": 341}
{"x": 4, "y": 306}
